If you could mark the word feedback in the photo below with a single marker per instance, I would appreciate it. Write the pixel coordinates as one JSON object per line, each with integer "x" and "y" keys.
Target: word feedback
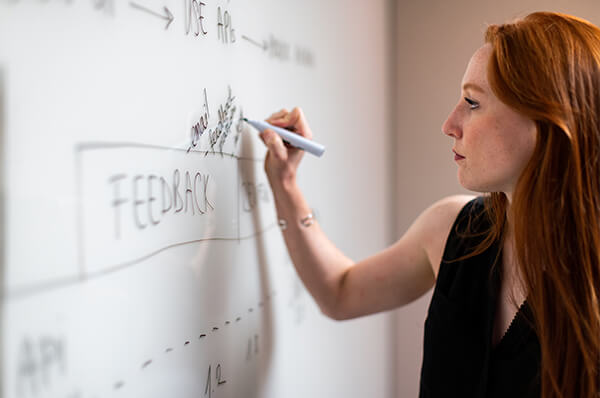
{"x": 151, "y": 197}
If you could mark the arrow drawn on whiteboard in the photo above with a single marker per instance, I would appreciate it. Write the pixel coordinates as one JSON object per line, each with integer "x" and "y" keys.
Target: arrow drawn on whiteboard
{"x": 168, "y": 16}
{"x": 256, "y": 43}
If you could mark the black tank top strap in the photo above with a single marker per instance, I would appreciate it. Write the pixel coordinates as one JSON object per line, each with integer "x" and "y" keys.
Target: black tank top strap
{"x": 458, "y": 357}
{"x": 457, "y": 274}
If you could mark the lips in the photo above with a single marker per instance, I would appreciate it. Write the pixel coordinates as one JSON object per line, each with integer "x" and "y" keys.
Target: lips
{"x": 457, "y": 156}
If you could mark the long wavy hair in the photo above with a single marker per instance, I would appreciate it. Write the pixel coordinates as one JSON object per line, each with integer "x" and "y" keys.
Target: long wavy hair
{"x": 547, "y": 67}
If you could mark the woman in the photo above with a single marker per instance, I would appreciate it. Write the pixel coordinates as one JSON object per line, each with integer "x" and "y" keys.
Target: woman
{"x": 515, "y": 309}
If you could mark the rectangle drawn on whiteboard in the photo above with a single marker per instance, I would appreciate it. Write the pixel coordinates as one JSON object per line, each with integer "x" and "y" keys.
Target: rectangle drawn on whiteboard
{"x": 137, "y": 200}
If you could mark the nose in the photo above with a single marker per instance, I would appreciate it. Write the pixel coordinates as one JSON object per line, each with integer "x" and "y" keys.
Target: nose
{"x": 451, "y": 126}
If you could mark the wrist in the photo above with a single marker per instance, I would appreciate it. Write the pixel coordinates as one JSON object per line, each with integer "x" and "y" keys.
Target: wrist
{"x": 284, "y": 186}
{"x": 289, "y": 200}
{"x": 304, "y": 222}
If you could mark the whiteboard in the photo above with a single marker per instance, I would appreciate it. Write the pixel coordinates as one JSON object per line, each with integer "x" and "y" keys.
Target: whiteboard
{"x": 141, "y": 256}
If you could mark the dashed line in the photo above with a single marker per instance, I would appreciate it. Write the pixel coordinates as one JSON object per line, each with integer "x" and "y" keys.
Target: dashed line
{"x": 119, "y": 384}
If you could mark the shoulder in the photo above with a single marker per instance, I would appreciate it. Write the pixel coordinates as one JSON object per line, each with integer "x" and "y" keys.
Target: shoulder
{"x": 449, "y": 207}
{"x": 436, "y": 222}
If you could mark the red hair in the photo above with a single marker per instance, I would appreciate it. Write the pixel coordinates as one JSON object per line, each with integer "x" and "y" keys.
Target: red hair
{"x": 546, "y": 66}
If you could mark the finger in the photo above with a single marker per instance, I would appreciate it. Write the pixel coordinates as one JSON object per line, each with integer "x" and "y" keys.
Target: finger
{"x": 279, "y": 122}
{"x": 262, "y": 138}
{"x": 275, "y": 144}
{"x": 297, "y": 120}
{"x": 278, "y": 115}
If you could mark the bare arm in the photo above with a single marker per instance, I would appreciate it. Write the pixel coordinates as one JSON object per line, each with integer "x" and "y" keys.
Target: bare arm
{"x": 404, "y": 271}
{"x": 344, "y": 289}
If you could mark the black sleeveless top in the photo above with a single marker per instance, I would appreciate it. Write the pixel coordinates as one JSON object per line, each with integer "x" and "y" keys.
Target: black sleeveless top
{"x": 458, "y": 357}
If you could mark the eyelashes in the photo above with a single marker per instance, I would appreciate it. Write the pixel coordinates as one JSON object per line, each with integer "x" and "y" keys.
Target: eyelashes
{"x": 472, "y": 104}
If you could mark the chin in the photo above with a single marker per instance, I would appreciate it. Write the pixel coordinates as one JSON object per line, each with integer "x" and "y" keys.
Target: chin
{"x": 475, "y": 185}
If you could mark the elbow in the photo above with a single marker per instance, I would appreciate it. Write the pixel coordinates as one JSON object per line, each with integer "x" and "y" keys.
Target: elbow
{"x": 338, "y": 316}
{"x": 335, "y": 311}
{"x": 335, "y": 308}
{"x": 332, "y": 314}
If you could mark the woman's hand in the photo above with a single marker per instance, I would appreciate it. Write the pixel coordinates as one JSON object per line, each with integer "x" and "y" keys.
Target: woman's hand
{"x": 281, "y": 162}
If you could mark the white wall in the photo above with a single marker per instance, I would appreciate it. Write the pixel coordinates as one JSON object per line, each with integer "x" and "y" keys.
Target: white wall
{"x": 435, "y": 39}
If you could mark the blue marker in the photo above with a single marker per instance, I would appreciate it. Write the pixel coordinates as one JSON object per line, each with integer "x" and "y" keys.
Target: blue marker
{"x": 293, "y": 139}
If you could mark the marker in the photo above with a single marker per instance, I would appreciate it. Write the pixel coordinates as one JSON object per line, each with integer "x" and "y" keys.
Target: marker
{"x": 293, "y": 139}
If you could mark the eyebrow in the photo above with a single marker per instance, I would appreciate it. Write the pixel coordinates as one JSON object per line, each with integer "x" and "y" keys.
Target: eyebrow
{"x": 473, "y": 86}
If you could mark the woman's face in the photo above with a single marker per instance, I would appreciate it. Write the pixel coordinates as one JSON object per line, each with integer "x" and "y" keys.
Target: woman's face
{"x": 492, "y": 142}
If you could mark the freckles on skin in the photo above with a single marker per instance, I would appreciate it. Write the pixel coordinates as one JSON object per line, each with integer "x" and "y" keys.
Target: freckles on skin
{"x": 508, "y": 144}
{"x": 496, "y": 140}
{"x": 519, "y": 135}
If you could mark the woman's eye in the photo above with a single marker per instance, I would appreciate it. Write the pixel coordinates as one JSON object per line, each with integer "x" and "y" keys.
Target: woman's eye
{"x": 472, "y": 104}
